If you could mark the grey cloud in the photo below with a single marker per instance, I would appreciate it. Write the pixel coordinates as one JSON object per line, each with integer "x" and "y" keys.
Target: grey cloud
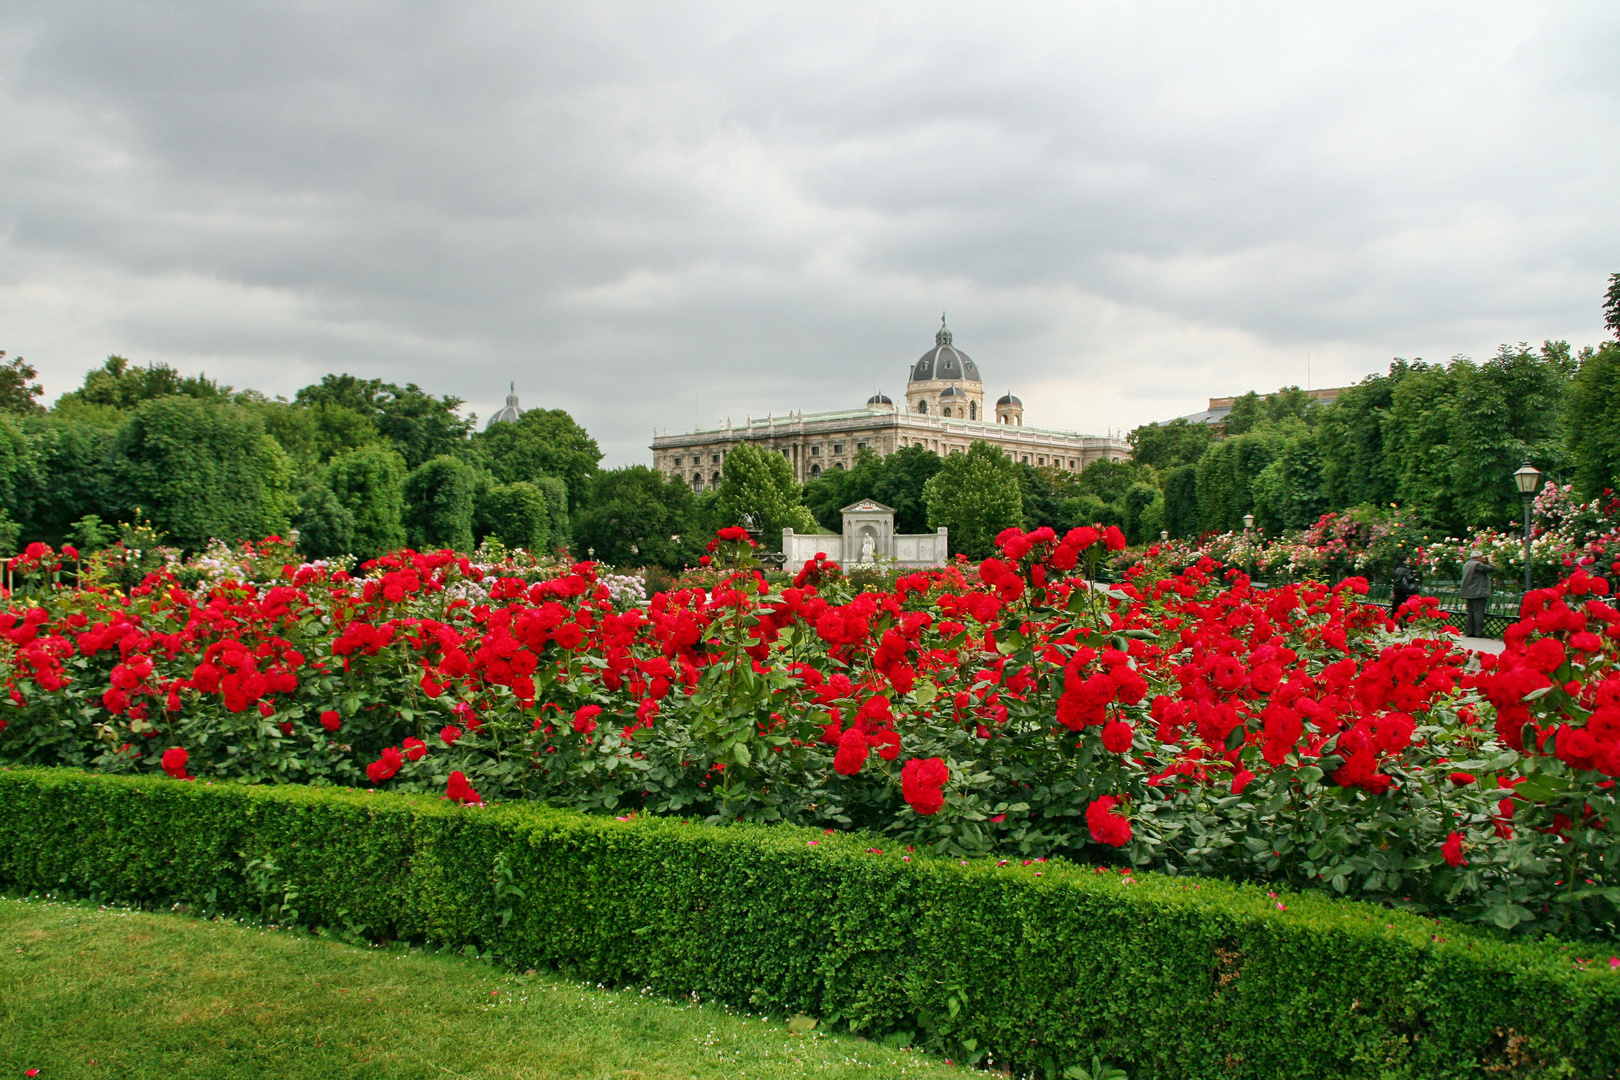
{"x": 650, "y": 214}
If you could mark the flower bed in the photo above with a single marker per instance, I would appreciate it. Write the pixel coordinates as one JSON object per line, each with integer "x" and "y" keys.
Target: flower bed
{"x": 1180, "y": 722}
{"x": 1042, "y": 966}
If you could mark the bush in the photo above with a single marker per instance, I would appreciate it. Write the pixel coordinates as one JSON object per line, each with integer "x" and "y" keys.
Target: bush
{"x": 1044, "y": 964}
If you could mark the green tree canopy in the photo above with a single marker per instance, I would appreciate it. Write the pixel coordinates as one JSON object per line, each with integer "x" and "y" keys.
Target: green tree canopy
{"x": 419, "y": 425}
{"x": 370, "y": 484}
{"x": 637, "y": 507}
{"x": 119, "y": 384}
{"x": 975, "y": 495}
{"x": 1169, "y": 446}
{"x": 541, "y": 442}
{"x": 17, "y": 386}
{"x": 517, "y": 514}
{"x": 1592, "y": 421}
{"x": 439, "y": 504}
{"x": 906, "y": 473}
{"x": 200, "y": 470}
{"x": 757, "y": 491}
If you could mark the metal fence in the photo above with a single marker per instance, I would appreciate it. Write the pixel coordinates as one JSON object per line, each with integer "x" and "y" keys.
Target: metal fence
{"x": 1500, "y": 613}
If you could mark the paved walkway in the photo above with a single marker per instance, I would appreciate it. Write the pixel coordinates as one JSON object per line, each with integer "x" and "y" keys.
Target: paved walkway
{"x": 1482, "y": 644}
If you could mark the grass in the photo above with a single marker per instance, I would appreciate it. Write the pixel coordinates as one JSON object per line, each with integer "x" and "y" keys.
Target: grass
{"x": 103, "y": 992}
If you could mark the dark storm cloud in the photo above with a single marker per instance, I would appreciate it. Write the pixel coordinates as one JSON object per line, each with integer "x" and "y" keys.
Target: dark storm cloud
{"x": 652, "y": 215}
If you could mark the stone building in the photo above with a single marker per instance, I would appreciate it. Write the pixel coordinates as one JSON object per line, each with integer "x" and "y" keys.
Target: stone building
{"x": 944, "y": 411}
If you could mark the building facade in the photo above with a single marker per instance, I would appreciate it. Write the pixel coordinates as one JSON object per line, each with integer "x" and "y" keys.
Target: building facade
{"x": 944, "y": 411}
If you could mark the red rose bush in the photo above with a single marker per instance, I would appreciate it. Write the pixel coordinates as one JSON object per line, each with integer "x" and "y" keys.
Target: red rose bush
{"x": 1183, "y": 720}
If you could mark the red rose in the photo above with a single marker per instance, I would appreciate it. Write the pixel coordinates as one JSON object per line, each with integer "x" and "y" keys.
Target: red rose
{"x": 174, "y": 763}
{"x": 459, "y": 790}
{"x": 1107, "y": 826}
{"x": 1117, "y": 737}
{"x": 1114, "y": 538}
{"x": 1452, "y": 850}
{"x": 1462, "y": 779}
{"x": 852, "y": 752}
{"x": 330, "y": 720}
{"x": 585, "y": 719}
{"x": 415, "y": 749}
{"x": 449, "y": 734}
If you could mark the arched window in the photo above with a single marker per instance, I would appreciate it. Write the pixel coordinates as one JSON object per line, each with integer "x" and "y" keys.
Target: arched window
{"x": 839, "y": 465}
{"x": 715, "y": 479}
{"x": 945, "y": 412}
{"x": 973, "y": 410}
{"x": 815, "y": 470}
{"x": 922, "y": 406}
{"x": 697, "y": 481}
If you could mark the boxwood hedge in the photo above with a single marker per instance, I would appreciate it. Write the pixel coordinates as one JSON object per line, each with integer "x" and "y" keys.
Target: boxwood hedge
{"x": 1040, "y": 965}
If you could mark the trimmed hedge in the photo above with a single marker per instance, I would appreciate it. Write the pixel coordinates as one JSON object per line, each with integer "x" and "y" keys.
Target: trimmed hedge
{"x": 1044, "y": 965}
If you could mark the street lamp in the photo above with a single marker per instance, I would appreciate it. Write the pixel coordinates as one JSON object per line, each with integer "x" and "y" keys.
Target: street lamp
{"x": 1248, "y": 536}
{"x": 1527, "y": 478}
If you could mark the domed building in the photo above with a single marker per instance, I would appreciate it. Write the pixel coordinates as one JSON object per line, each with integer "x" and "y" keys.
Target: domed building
{"x": 944, "y": 412}
{"x": 508, "y": 414}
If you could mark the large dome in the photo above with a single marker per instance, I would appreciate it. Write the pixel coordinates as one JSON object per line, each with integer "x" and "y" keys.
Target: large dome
{"x": 944, "y": 362}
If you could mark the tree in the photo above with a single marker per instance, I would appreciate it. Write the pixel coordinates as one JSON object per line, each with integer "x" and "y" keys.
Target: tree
{"x": 1169, "y": 446}
{"x": 1288, "y": 492}
{"x": 905, "y": 474}
{"x": 74, "y": 475}
{"x": 1417, "y": 443}
{"x": 516, "y": 514}
{"x": 420, "y": 426}
{"x": 1181, "y": 502}
{"x": 757, "y": 491}
{"x": 975, "y": 495}
{"x": 120, "y": 385}
{"x": 1592, "y": 420}
{"x": 1507, "y": 412}
{"x": 1143, "y": 505}
{"x": 315, "y": 434}
{"x": 201, "y": 470}
{"x": 1107, "y": 479}
{"x": 325, "y": 526}
{"x": 370, "y": 484}
{"x": 1355, "y": 466}
{"x": 541, "y": 442}
{"x": 439, "y": 498}
{"x": 17, "y": 388}
{"x": 636, "y": 507}
{"x": 1611, "y": 306}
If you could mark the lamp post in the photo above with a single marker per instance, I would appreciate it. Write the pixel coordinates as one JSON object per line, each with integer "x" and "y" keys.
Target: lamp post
{"x": 1248, "y": 537}
{"x": 1527, "y": 478}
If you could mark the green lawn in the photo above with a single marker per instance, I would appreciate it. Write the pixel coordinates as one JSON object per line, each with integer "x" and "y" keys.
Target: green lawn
{"x": 90, "y": 992}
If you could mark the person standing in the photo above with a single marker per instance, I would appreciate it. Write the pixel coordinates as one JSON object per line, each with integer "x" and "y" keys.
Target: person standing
{"x": 1476, "y": 590}
{"x": 1405, "y": 585}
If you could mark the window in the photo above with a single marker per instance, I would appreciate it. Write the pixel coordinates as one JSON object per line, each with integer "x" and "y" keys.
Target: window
{"x": 1026, "y": 459}
{"x": 839, "y": 465}
{"x": 677, "y": 459}
{"x": 946, "y": 411}
{"x": 1040, "y": 461}
{"x": 973, "y": 410}
{"x": 838, "y": 448}
{"x": 1071, "y": 463}
{"x": 860, "y": 446}
{"x": 787, "y": 453}
{"x": 714, "y": 459}
{"x": 815, "y": 470}
{"x": 697, "y": 481}
{"x": 815, "y": 451}
{"x": 716, "y": 480}
{"x": 922, "y": 406}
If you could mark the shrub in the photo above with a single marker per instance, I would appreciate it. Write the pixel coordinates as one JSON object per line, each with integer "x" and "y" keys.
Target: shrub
{"x": 1042, "y": 964}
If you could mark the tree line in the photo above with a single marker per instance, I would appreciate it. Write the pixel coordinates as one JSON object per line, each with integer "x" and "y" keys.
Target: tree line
{"x": 1441, "y": 440}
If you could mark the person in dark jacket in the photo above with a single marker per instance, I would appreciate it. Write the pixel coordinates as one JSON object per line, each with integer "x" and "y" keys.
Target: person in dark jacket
{"x": 1476, "y": 590}
{"x": 1405, "y": 585}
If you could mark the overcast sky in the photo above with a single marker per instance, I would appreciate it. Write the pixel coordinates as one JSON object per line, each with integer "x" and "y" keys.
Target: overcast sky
{"x": 660, "y": 214}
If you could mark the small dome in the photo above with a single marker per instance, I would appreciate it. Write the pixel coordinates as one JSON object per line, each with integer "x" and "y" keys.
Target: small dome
{"x": 953, "y": 392}
{"x": 1008, "y": 399}
{"x": 879, "y": 399}
{"x": 508, "y": 414}
{"x": 944, "y": 361}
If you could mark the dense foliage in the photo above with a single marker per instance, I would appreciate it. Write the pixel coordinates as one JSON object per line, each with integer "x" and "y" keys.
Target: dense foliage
{"x": 1045, "y": 967}
{"x": 1178, "y": 722}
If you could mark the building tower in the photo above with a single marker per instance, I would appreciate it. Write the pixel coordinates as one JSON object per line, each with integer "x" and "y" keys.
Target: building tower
{"x": 508, "y": 414}
{"x": 945, "y": 383}
{"x": 1009, "y": 410}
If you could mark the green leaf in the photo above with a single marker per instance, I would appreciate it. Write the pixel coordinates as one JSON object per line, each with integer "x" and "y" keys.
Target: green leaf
{"x": 741, "y": 754}
{"x": 925, "y": 692}
{"x": 801, "y": 1024}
